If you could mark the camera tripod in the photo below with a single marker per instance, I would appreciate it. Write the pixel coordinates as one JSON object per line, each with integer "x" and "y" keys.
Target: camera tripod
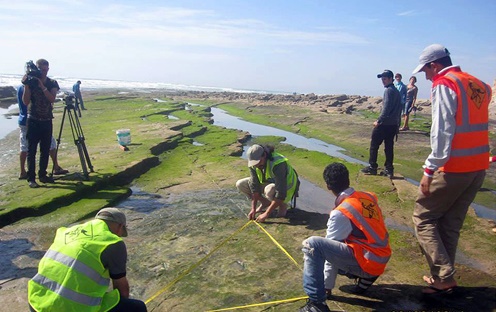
{"x": 77, "y": 135}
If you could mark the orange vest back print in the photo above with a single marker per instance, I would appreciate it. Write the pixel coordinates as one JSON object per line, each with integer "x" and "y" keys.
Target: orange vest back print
{"x": 470, "y": 145}
{"x": 373, "y": 251}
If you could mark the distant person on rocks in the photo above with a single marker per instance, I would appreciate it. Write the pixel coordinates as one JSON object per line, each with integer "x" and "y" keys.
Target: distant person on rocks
{"x": 411, "y": 98}
{"x": 385, "y": 127}
{"x": 76, "y": 88}
{"x": 356, "y": 244}
{"x": 456, "y": 167}
{"x": 75, "y": 272}
{"x": 398, "y": 84}
{"x": 39, "y": 98}
{"x": 272, "y": 182}
{"x": 23, "y": 113}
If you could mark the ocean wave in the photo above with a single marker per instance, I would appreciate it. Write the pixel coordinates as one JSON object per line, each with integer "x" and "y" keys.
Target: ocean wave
{"x": 66, "y": 84}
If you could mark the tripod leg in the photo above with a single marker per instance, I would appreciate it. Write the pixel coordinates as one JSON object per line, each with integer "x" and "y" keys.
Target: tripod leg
{"x": 60, "y": 135}
{"x": 87, "y": 155}
{"x": 75, "y": 135}
{"x": 79, "y": 130}
{"x": 82, "y": 159}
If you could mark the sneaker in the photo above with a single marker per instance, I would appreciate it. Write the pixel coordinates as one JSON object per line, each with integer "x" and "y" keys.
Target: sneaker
{"x": 313, "y": 306}
{"x": 23, "y": 176}
{"x": 46, "y": 179}
{"x": 33, "y": 184}
{"x": 59, "y": 171}
{"x": 329, "y": 294}
{"x": 362, "y": 284}
{"x": 388, "y": 173}
{"x": 369, "y": 170}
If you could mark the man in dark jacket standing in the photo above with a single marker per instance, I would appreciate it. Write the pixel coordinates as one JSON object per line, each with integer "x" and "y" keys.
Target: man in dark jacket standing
{"x": 385, "y": 127}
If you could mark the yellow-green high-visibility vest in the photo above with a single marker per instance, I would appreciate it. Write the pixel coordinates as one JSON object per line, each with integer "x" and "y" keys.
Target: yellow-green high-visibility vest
{"x": 291, "y": 178}
{"x": 71, "y": 276}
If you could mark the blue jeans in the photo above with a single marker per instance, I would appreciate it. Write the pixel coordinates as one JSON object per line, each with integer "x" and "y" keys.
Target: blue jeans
{"x": 38, "y": 132}
{"x": 319, "y": 253}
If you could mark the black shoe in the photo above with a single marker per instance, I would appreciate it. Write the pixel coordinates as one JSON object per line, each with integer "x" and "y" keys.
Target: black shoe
{"x": 369, "y": 170}
{"x": 388, "y": 173}
{"x": 313, "y": 306}
{"x": 329, "y": 294}
{"x": 33, "y": 184}
{"x": 46, "y": 179}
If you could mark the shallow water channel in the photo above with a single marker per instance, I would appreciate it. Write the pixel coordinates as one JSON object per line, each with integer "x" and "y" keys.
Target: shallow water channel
{"x": 223, "y": 119}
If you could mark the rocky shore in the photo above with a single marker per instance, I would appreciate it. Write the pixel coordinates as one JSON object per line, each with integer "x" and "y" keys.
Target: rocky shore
{"x": 337, "y": 103}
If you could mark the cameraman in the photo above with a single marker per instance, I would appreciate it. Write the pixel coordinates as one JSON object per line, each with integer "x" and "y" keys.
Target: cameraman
{"x": 39, "y": 98}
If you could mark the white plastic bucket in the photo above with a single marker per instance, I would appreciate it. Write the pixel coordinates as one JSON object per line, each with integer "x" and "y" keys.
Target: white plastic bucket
{"x": 124, "y": 136}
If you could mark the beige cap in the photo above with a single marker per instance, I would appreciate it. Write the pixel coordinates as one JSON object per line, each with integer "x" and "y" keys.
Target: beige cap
{"x": 114, "y": 215}
{"x": 254, "y": 154}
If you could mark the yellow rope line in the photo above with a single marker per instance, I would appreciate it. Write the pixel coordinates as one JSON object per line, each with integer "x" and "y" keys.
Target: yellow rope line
{"x": 279, "y": 245}
{"x": 195, "y": 265}
{"x": 173, "y": 282}
{"x": 260, "y": 304}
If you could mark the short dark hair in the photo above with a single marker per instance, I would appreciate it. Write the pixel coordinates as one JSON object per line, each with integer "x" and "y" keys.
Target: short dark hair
{"x": 41, "y": 62}
{"x": 444, "y": 61}
{"x": 337, "y": 177}
{"x": 414, "y": 78}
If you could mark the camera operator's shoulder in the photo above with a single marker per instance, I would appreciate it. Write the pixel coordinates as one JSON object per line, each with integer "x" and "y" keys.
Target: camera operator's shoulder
{"x": 52, "y": 83}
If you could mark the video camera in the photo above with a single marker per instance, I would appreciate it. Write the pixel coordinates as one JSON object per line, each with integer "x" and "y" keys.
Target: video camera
{"x": 32, "y": 72}
{"x": 69, "y": 100}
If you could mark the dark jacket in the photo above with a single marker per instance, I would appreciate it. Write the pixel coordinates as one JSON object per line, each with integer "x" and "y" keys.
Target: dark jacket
{"x": 391, "y": 107}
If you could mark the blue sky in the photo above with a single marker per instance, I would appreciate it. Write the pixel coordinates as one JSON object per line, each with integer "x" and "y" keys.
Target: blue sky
{"x": 323, "y": 47}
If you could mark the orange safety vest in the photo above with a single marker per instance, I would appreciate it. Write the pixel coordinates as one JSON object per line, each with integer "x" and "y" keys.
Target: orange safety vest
{"x": 372, "y": 251}
{"x": 470, "y": 145}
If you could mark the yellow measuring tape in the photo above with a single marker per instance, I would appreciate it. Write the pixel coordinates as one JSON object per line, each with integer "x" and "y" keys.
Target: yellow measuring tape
{"x": 278, "y": 245}
{"x": 158, "y": 293}
{"x": 260, "y": 304}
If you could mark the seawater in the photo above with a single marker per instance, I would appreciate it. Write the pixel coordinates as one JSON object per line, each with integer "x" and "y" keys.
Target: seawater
{"x": 66, "y": 84}
{"x": 8, "y": 123}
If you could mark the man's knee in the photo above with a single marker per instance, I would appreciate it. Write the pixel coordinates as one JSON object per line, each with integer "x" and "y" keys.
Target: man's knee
{"x": 308, "y": 245}
{"x": 270, "y": 191}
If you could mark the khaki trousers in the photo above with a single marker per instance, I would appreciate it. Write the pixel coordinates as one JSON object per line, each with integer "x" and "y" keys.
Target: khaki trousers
{"x": 269, "y": 190}
{"x": 439, "y": 217}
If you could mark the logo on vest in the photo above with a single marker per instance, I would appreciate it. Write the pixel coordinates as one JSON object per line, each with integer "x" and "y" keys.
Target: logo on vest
{"x": 76, "y": 234}
{"x": 369, "y": 209}
{"x": 476, "y": 93}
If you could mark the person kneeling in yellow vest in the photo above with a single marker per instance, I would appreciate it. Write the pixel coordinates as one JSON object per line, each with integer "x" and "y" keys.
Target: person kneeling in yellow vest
{"x": 75, "y": 272}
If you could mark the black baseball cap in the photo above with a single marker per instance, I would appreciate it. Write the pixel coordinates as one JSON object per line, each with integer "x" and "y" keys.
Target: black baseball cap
{"x": 386, "y": 73}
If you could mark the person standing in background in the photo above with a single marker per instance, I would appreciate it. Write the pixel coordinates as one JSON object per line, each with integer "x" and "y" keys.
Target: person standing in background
{"x": 23, "y": 142}
{"x": 385, "y": 127}
{"x": 39, "y": 99}
{"x": 411, "y": 98}
{"x": 398, "y": 84}
{"x": 456, "y": 167}
{"x": 76, "y": 88}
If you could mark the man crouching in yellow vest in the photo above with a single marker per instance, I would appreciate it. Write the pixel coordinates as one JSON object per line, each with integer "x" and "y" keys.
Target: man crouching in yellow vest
{"x": 75, "y": 272}
{"x": 273, "y": 182}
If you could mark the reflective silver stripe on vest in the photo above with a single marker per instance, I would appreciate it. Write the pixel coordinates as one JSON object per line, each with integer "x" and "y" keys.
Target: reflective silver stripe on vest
{"x": 466, "y": 127}
{"x": 470, "y": 151}
{"x": 77, "y": 265}
{"x": 373, "y": 257}
{"x": 380, "y": 243}
{"x": 66, "y": 292}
